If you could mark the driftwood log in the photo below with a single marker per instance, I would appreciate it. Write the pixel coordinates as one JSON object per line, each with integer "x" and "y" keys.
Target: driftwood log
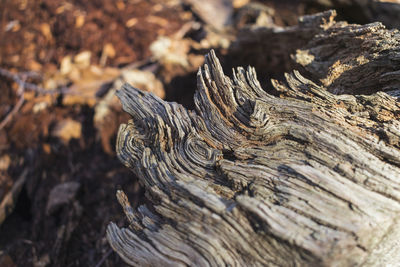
{"x": 304, "y": 177}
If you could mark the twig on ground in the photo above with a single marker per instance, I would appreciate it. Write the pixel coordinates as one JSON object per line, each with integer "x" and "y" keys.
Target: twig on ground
{"x": 30, "y": 86}
{"x": 185, "y": 29}
{"x": 17, "y": 106}
{"x": 20, "y": 79}
{"x": 139, "y": 64}
{"x": 104, "y": 258}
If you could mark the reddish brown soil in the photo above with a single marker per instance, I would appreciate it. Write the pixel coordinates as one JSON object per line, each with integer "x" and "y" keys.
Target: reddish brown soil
{"x": 49, "y": 30}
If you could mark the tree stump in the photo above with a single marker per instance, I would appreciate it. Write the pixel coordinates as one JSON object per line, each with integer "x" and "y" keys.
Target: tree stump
{"x": 304, "y": 177}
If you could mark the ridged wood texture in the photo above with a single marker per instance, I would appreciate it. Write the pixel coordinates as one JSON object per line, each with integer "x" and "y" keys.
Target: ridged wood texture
{"x": 305, "y": 178}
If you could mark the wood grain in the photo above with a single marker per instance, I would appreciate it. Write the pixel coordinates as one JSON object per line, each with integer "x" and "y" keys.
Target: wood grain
{"x": 304, "y": 178}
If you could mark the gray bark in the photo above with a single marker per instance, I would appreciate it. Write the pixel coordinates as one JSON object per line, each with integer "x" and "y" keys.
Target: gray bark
{"x": 303, "y": 178}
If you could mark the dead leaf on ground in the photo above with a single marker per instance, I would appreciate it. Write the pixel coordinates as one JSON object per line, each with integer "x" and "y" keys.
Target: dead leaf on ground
{"x": 67, "y": 129}
{"x": 61, "y": 194}
{"x": 217, "y": 13}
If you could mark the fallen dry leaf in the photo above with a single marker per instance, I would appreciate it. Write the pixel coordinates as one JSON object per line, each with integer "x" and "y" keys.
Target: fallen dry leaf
{"x": 131, "y": 22}
{"x": 144, "y": 80}
{"x": 67, "y": 129}
{"x": 61, "y": 194}
{"x": 79, "y": 21}
{"x": 108, "y": 51}
{"x": 46, "y": 31}
{"x": 5, "y": 161}
{"x": 82, "y": 60}
{"x": 216, "y": 13}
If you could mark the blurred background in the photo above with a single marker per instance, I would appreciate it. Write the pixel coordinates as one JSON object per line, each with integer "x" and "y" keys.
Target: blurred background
{"x": 60, "y": 65}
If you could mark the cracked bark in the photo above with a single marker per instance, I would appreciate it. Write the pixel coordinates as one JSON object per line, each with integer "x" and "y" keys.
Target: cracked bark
{"x": 307, "y": 177}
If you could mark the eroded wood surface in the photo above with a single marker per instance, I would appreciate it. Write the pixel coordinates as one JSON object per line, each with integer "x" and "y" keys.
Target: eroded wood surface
{"x": 304, "y": 178}
{"x": 345, "y": 58}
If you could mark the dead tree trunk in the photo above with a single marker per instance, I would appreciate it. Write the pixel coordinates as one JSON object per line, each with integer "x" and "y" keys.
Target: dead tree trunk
{"x": 306, "y": 178}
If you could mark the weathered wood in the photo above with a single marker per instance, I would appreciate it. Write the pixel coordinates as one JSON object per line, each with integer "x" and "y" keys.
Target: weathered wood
{"x": 306, "y": 178}
{"x": 345, "y": 58}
